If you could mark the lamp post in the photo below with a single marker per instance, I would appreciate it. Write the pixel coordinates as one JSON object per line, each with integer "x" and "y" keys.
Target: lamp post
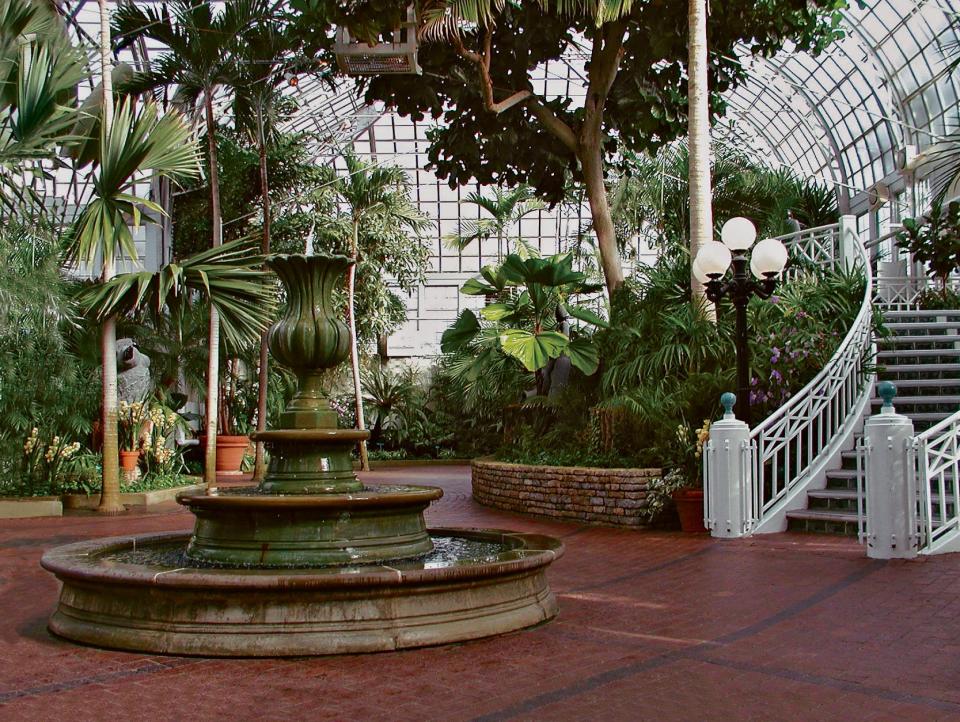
{"x": 766, "y": 263}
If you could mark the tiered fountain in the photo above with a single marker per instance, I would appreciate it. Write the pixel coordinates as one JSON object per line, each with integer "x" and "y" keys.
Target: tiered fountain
{"x": 310, "y": 561}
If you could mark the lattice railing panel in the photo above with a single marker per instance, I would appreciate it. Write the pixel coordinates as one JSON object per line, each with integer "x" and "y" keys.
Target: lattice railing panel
{"x": 794, "y": 441}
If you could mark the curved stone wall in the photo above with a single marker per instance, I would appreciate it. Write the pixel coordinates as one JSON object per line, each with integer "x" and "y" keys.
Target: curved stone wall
{"x": 586, "y": 494}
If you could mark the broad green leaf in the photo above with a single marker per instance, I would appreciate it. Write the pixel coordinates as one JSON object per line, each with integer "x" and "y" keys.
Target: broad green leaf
{"x": 585, "y": 314}
{"x": 583, "y": 354}
{"x": 496, "y": 311}
{"x": 461, "y": 333}
{"x": 534, "y": 351}
{"x": 476, "y": 287}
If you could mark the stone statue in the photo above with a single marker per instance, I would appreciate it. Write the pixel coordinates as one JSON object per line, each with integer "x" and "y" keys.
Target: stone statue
{"x": 133, "y": 376}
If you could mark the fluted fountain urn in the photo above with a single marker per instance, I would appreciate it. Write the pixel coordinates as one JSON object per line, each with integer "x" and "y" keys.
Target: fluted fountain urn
{"x": 310, "y": 509}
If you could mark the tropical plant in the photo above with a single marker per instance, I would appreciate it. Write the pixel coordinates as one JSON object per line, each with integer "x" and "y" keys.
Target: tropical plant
{"x": 934, "y": 240}
{"x": 264, "y": 59}
{"x": 527, "y": 321}
{"x": 230, "y": 278}
{"x": 133, "y": 144}
{"x": 132, "y": 418}
{"x": 378, "y": 205}
{"x": 652, "y": 195}
{"x": 396, "y": 401}
{"x": 506, "y": 208}
{"x": 39, "y": 73}
{"x": 199, "y": 60}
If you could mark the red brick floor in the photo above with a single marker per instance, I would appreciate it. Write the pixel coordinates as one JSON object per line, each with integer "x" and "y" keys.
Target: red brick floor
{"x": 653, "y": 626}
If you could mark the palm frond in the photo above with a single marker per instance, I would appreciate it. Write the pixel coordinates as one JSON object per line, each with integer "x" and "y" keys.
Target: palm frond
{"x": 230, "y": 277}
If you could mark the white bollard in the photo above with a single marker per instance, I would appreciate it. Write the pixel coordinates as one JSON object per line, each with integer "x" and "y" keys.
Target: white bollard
{"x": 728, "y": 513}
{"x": 891, "y": 513}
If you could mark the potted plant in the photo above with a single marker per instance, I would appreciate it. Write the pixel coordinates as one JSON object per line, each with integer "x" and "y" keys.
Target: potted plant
{"x": 132, "y": 417}
{"x": 684, "y": 482}
{"x": 934, "y": 240}
{"x": 235, "y": 418}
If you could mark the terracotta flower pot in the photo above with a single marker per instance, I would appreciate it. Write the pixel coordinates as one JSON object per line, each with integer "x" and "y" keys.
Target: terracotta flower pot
{"x": 230, "y": 450}
{"x": 690, "y": 508}
{"x": 129, "y": 460}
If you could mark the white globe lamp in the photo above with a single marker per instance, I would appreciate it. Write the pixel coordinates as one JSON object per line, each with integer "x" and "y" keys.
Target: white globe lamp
{"x": 738, "y": 234}
{"x": 713, "y": 259}
{"x": 768, "y": 259}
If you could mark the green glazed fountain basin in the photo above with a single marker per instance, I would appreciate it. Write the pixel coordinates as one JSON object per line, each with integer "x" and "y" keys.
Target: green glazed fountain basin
{"x": 249, "y": 527}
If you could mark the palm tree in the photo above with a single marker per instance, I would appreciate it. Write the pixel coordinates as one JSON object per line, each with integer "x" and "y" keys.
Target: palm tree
{"x": 38, "y": 79}
{"x": 133, "y": 144}
{"x": 370, "y": 191}
{"x": 263, "y": 62}
{"x": 199, "y": 61}
{"x": 698, "y": 132}
{"x": 506, "y": 208}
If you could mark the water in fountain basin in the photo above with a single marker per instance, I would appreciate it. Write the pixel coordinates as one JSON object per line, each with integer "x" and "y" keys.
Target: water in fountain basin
{"x": 448, "y": 551}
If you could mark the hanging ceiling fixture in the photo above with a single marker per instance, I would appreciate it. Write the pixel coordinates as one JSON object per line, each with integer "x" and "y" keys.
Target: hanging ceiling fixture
{"x": 397, "y": 57}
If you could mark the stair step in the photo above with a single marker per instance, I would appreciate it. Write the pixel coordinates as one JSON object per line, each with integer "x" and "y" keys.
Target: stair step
{"x": 918, "y": 368}
{"x": 832, "y": 494}
{"x": 842, "y": 474}
{"x": 922, "y": 326}
{"x": 898, "y": 339}
{"x": 823, "y": 521}
{"x": 918, "y": 352}
{"x": 921, "y": 314}
{"x": 937, "y": 400}
{"x": 926, "y": 383}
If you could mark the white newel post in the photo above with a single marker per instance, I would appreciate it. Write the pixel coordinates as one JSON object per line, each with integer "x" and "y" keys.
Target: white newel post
{"x": 726, "y": 473}
{"x": 848, "y": 241}
{"x": 891, "y": 496}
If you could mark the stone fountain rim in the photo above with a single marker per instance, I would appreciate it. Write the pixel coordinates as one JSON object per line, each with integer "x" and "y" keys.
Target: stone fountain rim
{"x": 418, "y": 495}
{"x": 77, "y": 562}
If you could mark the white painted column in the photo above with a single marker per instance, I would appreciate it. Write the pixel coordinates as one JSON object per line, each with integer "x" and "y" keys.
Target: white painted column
{"x": 891, "y": 496}
{"x": 726, "y": 472}
{"x": 848, "y": 241}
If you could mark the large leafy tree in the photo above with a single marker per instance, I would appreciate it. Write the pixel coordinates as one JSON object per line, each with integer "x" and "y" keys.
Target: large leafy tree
{"x": 201, "y": 45}
{"x": 497, "y": 129}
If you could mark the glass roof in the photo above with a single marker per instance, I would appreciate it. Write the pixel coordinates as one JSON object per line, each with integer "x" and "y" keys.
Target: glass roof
{"x": 844, "y": 116}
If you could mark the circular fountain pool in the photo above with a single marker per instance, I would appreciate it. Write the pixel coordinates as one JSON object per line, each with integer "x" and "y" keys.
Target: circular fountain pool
{"x": 144, "y": 593}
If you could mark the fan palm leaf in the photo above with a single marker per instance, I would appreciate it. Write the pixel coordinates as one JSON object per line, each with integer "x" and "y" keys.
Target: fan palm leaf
{"x": 138, "y": 143}
{"x": 230, "y": 277}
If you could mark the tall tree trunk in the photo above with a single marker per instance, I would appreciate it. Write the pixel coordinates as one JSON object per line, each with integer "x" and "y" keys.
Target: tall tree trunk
{"x": 110, "y": 489}
{"x": 354, "y": 347}
{"x": 263, "y": 378}
{"x": 591, "y": 162}
{"x": 213, "y": 343}
{"x": 698, "y": 119}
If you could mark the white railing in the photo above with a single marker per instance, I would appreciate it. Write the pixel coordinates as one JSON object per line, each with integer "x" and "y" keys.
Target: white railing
{"x": 791, "y": 450}
{"x": 820, "y": 246}
{"x": 934, "y": 459}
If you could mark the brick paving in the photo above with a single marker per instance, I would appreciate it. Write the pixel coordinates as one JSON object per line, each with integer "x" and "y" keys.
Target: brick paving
{"x": 652, "y": 626}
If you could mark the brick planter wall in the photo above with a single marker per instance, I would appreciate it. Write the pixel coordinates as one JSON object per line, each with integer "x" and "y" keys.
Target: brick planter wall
{"x": 595, "y": 496}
